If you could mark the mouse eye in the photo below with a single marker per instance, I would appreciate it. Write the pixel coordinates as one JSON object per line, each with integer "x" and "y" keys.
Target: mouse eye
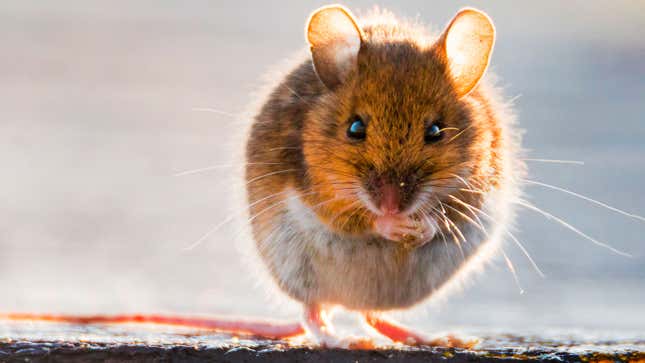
{"x": 356, "y": 129}
{"x": 433, "y": 133}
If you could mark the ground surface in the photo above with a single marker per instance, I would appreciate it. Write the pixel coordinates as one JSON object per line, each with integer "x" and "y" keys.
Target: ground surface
{"x": 36, "y": 342}
{"x": 102, "y": 104}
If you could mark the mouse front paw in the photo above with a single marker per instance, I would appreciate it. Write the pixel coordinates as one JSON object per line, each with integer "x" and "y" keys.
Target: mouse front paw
{"x": 408, "y": 230}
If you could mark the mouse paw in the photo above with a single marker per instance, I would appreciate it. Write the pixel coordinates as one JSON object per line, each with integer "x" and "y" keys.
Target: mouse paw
{"x": 401, "y": 334}
{"x": 405, "y": 229}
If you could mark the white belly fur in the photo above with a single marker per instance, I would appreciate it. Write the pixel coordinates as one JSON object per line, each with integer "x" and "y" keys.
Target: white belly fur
{"x": 313, "y": 265}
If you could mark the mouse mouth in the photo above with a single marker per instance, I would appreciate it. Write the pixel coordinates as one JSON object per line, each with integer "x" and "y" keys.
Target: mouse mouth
{"x": 414, "y": 226}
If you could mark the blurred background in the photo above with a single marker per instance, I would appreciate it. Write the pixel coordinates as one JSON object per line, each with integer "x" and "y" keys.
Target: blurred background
{"x": 100, "y": 108}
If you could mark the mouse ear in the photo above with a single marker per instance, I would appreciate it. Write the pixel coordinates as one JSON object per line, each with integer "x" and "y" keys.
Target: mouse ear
{"x": 335, "y": 39}
{"x": 467, "y": 44}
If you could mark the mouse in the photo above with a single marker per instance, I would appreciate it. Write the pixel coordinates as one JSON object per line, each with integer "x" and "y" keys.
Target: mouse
{"x": 379, "y": 174}
{"x": 380, "y": 171}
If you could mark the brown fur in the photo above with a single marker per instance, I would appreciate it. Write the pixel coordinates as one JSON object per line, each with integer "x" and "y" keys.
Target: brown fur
{"x": 401, "y": 84}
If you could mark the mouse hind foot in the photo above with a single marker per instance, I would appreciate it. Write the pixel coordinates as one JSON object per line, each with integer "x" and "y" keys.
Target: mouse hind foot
{"x": 317, "y": 320}
{"x": 401, "y": 334}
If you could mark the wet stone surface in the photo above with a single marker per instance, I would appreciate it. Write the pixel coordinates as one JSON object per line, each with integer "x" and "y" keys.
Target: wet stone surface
{"x": 45, "y": 342}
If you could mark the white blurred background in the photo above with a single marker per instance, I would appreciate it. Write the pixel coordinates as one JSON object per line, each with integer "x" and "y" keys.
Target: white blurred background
{"x": 97, "y": 114}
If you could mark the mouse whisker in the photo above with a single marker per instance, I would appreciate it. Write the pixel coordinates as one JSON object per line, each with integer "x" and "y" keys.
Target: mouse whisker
{"x": 467, "y": 218}
{"x": 454, "y": 236}
{"x": 250, "y": 181}
{"x": 511, "y": 268}
{"x": 469, "y": 187}
{"x": 216, "y": 167}
{"x": 343, "y": 210}
{"x": 509, "y": 264}
{"x": 318, "y": 205}
{"x": 229, "y": 219}
{"x": 583, "y": 197}
{"x": 214, "y": 110}
{"x": 263, "y": 224}
{"x": 342, "y": 227}
{"x": 283, "y": 148}
{"x": 334, "y": 183}
{"x": 467, "y": 183}
{"x": 459, "y": 134}
{"x": 201, "y": 170}
{"x": 253, "y": 217}
{"x": 508, "y": 232}
{"x": 313, "y": 208}
{"x": 348, "y": 189}
{"x": 439, "y": 215}
{"x": 458, "y": 237}
{"x": 333, "y": 170}
{"x": 565, "y": 224}
{"x": 430, "y": 218}
{"x": 471, "y": 191}
{"x": 462, "y": 237}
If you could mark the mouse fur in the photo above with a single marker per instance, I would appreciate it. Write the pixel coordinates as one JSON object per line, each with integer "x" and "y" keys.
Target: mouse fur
{"x": 311, "y": 228}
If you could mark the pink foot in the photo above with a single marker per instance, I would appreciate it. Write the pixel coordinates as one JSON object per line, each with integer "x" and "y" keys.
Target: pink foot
{"x": 401, "y": 334}
{"x": 317, "y": 321}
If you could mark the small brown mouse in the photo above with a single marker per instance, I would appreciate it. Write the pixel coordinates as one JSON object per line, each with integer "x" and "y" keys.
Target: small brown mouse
{"x": 381, "y": 170}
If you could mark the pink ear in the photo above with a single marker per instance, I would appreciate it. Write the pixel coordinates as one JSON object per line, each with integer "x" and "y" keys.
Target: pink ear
{"x": 335, "y": 40}
{"x": 468, "y": 44}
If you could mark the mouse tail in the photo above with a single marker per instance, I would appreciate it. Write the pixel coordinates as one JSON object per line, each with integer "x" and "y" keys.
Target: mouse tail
{"x": 264, "y": 329}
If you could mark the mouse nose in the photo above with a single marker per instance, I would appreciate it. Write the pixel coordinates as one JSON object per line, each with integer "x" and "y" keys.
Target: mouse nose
{"x": 390, "y": 199}
{"x": 391, "y": 192}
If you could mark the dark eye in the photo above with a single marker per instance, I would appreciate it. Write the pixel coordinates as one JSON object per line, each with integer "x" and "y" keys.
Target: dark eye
{"x": 356, "y": 129}
{"x": 433, "y": 133}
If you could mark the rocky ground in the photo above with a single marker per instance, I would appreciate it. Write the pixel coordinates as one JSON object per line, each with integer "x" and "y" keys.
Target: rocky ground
{"x": 46, "y": 342}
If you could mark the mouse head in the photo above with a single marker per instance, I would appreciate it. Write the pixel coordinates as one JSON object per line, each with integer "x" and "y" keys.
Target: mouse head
{"x": 393, "y": 134}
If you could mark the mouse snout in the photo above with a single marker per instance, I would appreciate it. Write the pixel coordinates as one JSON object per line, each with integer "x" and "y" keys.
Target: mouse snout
{"x": 390, "y": 193}
{"x": 390, "y": 199}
